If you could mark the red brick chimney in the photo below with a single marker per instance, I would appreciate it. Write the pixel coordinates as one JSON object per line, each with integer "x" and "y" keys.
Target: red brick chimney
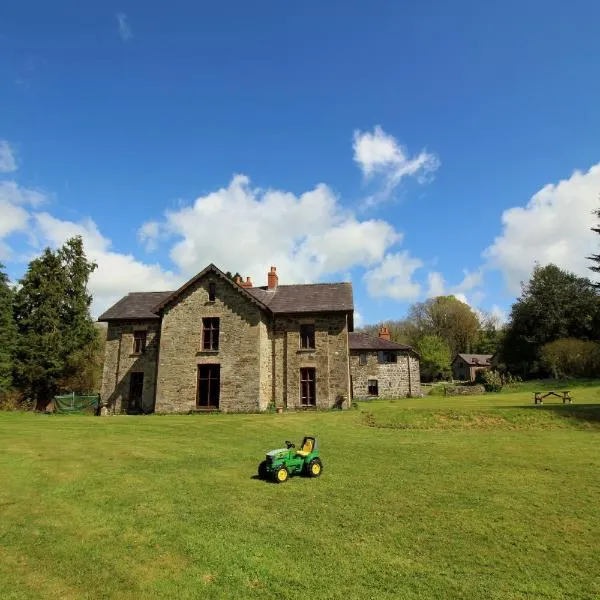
{"x": 247, "y": 283}
{"x": 272, "y": 279}
{"x": 384, "y": 334}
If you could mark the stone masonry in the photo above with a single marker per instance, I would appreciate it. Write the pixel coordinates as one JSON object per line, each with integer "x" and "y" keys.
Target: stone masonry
{"x": 259, "y": 351}
{"x": 394, "y": 380}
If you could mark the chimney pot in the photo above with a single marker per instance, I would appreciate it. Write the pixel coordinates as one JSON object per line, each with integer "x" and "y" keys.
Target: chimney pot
{"x": 272, "y": 279}
{"x": 384, "y": 334}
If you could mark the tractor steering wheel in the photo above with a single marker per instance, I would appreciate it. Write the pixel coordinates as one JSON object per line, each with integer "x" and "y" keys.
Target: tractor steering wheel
{"x": 290, "y": 444}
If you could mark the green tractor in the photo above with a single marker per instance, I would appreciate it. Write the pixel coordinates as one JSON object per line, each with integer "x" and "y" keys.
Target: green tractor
{"x": 283, "y": 462}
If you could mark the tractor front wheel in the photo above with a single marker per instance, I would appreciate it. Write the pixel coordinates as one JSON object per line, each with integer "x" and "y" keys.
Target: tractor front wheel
{"x": 315, "y": 467}
{"x": 281, "y": 475}
{"x": 262, "y": 470}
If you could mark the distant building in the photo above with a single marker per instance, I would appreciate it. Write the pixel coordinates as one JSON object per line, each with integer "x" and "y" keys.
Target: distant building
{"x": 380, "y": 368}
{"x": 466, "y": 366}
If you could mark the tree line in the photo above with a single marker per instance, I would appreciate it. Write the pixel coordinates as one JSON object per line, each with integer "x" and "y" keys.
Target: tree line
{"x": 49, "y": 342}
{"x": 553, "y": 329}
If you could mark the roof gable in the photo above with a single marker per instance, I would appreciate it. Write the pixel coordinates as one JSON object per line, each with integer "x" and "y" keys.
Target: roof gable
{"x": 161, "y": 305}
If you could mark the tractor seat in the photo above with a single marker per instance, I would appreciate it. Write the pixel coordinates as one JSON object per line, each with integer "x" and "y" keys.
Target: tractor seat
{"x": 307, "y": 448}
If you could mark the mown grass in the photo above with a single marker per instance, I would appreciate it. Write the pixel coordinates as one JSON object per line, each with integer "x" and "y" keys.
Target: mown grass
{"x": 471, "y": 497}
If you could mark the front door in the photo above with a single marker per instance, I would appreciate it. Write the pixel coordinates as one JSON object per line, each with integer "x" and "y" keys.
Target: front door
{"x": 209, "y": 384}
{"x": 136, "y": 389}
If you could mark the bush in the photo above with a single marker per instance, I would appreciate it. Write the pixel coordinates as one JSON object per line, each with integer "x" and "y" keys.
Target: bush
{"x": 571, "y": 358}
{"x": 490, "y": 379}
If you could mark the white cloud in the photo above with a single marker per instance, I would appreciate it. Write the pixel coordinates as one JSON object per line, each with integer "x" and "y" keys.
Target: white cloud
{"x": 393, "y": 277}
{"x": 117, "y": 274}
{"x": 554, "y": 227}
{"x": 15, "y": 204}
{"x": 124, "y": 29}
{"x": 471, "y": 280}
{"x": 8, "y": 163}
{"x": 246, "y": 229}
{"x": 148, "y": 234}
{"x": 379, "y": 154}
{"x": 436, "y": 285}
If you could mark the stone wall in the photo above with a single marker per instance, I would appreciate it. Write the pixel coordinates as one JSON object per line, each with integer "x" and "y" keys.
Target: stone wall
{"x": 394, "y": 380}
{"x": 240, "y": 332}
{"x": 120, "y": 361}
{"x": 329, "y": 359}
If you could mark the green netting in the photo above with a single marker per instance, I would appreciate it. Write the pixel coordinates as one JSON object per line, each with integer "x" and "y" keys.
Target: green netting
{"x": 72, "y": 403}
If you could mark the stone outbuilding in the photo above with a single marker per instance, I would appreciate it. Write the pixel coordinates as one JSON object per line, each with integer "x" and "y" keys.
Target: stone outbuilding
{"x": 381, "y": 368}
{"x": 466, "y": 366}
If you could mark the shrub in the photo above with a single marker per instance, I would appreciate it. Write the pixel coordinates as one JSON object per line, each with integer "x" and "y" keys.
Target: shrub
{"x": 490, "y": 379}
{"x": 571, "y": 358}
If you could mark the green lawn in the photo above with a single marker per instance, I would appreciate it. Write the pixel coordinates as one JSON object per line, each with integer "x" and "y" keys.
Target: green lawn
{"x": 472, "y": 497}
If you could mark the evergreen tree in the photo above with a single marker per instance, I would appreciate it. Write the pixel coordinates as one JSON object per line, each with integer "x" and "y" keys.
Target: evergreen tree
{"x": 56, "y": 333}
{"x": 39, "y": 361}
{"x": 79, "y": 335}
{"x": 554, "y": 304}
{"x": 8, "y": 332}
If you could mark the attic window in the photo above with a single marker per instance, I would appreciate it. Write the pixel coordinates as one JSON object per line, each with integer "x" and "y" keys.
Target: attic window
{"x": 211, "y": 291}
{"x": 362, "y": 359}
{"x": 307, "y": 336}
{"x": 139, "y": 342}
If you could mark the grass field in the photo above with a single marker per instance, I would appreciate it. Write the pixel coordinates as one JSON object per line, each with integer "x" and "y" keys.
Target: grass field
{"x": 473, "y": 497}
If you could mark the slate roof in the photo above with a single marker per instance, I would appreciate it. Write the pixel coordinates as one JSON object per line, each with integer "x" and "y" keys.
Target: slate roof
{"x": 476, "y": 359}
{"x": 307, "y": 298}
{"x": 362, "y": 341}
{"x": 311, "y": 297}
{"x": 136, "y": 305}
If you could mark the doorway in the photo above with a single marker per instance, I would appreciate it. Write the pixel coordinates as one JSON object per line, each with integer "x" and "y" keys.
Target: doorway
{"x": 136, "y": 390}
{"x": 209, "y": 386}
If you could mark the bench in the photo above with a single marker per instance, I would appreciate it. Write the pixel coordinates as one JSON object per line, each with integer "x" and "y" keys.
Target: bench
{"x": 538, "y": 397}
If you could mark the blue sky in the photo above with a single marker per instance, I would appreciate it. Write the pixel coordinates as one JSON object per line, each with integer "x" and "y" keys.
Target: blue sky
{"x": 416, "y": 148}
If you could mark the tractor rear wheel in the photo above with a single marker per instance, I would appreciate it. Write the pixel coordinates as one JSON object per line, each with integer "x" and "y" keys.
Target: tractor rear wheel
{"x": 281, "y": 475}
{"x": 315, "y": 468}
{"x": 262, "y": 470}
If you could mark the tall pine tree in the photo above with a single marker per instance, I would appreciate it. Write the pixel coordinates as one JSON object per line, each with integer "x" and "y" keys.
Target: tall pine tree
{"x": 55, "y": 329}
{"x": 8, "y": 332}
{"x": 40, "y": 356}
{"x": 79, "y": 335}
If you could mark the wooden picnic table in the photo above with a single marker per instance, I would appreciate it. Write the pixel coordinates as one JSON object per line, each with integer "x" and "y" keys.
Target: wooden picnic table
{"x": 538, "y": 397}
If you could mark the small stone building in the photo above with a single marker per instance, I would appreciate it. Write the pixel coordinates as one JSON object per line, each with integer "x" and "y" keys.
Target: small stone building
{"x": 466, "y": 366}
{"x": 381, "y": 368}
{"x": 216, "y": 344}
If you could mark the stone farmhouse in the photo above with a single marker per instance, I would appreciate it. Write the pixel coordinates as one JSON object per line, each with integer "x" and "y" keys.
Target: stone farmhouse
{"x": 218, "y": 344}
{"x": 466, "y": 366}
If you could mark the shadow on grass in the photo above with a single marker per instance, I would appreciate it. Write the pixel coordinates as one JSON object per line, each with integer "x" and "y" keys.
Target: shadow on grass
{"x": 589, "y": 413}
{"x": 257, "y": 478}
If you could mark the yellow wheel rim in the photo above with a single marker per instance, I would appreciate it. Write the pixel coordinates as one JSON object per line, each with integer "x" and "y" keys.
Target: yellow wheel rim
{"x": 282, "y": 475}
{"x": 316, "y": 468}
